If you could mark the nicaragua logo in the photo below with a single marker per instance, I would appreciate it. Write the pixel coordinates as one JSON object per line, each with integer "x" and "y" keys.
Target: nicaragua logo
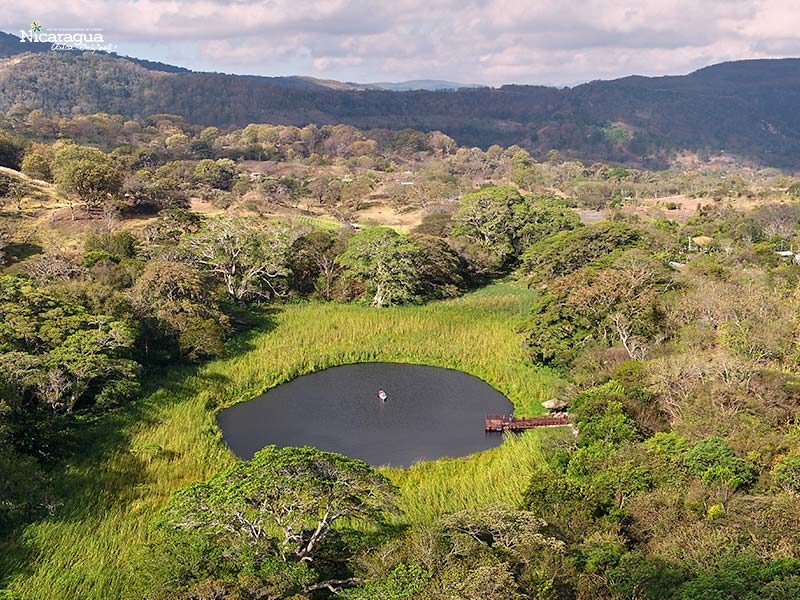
{"x": 64, "y": 39}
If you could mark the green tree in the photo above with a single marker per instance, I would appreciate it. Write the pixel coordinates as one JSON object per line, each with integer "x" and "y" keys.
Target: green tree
{"x": 787, "y": 473}
{"x": 486, "y": 220}
{"x": 567, "y": 251}
{"x": 643, "y": 577}
{"x": 442, "y": 271}
{"x": 178, "y": 297}
{"x": 88, "y": 173}
{"x": 407, "y": 142}
{"x": 598, "y": 305}
{"x": 313, "y": 263}
{"x": 495, "y": 552}
{"x": 209, "y": 134}
{"x": 60, "y": 352}
{"x": 387, "y": 263}
{"x": 251, "y": 262}
{"x": 217, "y": 174}
{"x": 541, "y": 216}
{"x": 523, "y": 170}
{"x": 171, "y": 226}
{"x": 38, "y": 161}
{"x": 155, "y": 191}
{"x": 745, "y": 576}
{"x": 354, "y": 193}
{"x": 714, "y": 461}
{"x": 499, "y": 223}
{"x": 274, "y": 514}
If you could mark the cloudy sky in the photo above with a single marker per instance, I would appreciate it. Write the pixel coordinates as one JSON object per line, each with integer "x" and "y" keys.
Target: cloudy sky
{"x": 473, "y": 41}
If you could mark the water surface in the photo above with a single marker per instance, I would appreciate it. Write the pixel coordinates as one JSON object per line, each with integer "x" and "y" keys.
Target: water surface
{"x": 429, "y": 413}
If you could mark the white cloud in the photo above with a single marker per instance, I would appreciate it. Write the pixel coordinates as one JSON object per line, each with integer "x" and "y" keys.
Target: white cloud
{"x": 488, "y": 41}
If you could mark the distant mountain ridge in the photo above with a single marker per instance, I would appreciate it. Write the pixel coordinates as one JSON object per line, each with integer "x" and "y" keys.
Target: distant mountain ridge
{"x": 421, "y": 84}
{"x": 10, "y": 45}
{"x": 745, "y": 108}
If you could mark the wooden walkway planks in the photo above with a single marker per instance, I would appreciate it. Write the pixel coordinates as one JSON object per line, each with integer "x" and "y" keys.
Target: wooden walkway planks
{"x": 509, "y": 423}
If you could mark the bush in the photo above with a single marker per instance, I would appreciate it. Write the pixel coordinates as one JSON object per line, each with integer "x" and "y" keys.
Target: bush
{"x": 787, "y": 473}
{"x": 630, "y": 373}
{"x": 669, "y": 444}
{"x": 747, "y": 577}
{"x": 714, "y": 461}
{"x": 403, "y": 582}
{"x": 119, "y": 245}
{"x": 644, "y": 577}
{"x": 38, "y": 162}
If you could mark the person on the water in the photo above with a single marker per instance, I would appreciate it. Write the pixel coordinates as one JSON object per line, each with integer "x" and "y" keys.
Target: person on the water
{"x": 382, "y": 395}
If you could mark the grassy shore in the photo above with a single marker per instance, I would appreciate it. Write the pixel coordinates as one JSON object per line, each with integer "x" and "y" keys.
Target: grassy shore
{"x": 136, "y": 457}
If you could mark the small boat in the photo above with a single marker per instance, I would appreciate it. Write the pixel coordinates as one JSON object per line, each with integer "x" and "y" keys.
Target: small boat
{"x": 382, "y": 395}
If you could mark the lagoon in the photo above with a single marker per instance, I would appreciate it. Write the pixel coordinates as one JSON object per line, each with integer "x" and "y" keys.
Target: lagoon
{"x": 429, "y": 413}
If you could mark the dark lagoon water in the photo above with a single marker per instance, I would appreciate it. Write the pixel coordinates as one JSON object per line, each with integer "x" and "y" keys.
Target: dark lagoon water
{"x": 429, "y": 413}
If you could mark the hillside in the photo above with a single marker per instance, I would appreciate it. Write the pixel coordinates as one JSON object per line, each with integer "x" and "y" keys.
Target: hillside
{"x": 745, "y": 108}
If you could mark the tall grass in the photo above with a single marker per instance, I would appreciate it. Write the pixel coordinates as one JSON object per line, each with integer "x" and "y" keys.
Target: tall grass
{"x": 136, "y": 457}
{"x": 433, "y": 488}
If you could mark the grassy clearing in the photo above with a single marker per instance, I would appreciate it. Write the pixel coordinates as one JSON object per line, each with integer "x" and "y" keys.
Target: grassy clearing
{"x": 136, "y": 457}
{"x": 317, "y": 222}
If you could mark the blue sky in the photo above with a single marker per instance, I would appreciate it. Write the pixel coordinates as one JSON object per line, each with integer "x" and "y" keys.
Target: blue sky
{"x": 474, "y": 41}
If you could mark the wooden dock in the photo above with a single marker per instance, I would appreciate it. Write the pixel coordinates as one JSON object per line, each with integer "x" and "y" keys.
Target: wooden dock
{"x": 509, "y": 423}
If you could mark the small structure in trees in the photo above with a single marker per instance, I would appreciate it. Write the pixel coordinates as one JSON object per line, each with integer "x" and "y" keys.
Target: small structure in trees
{"x": 555, "y": 405}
